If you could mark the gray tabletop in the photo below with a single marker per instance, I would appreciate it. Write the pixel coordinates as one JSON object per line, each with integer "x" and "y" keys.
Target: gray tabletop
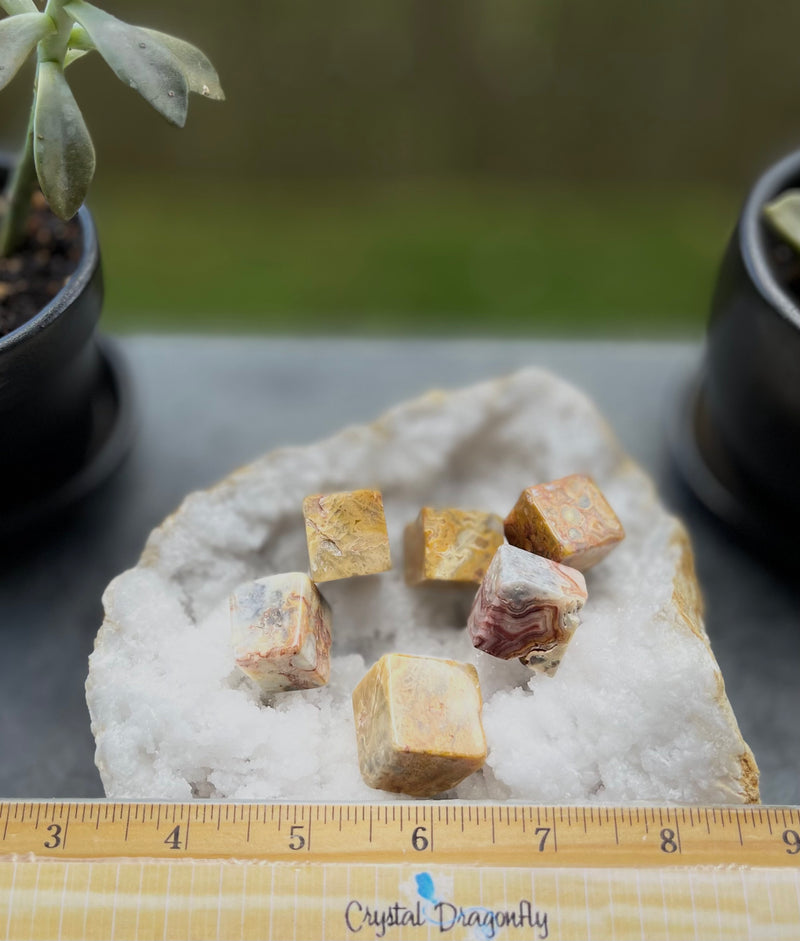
{"x": 206, "y": 405}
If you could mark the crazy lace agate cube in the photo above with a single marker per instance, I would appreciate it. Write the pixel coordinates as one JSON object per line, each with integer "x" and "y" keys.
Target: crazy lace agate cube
{"x": 567, "y": 520}
{"x": 527, "y": 607}
{"x": 281, "y": 632}
{"x": 450, "y": 546}
{"x": 418, "y": 724}
{"x": 346, "y": 534}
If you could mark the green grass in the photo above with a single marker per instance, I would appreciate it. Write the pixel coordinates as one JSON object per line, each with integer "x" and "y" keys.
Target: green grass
{"x": 378, "y": 258}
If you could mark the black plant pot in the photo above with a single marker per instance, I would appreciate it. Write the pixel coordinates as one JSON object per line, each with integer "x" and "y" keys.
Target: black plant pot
{"x": 740, "y": 446}
{"x": 65, "y": 417}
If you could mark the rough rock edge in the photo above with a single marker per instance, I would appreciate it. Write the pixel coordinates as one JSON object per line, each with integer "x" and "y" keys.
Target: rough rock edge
{"x": 686, "y": 596}
{"x": 689, "y": 604}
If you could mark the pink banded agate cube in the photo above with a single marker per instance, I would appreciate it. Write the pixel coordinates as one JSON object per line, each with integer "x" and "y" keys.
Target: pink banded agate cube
{"x": 281, "y": 632}
{"x": 526, "y": 607}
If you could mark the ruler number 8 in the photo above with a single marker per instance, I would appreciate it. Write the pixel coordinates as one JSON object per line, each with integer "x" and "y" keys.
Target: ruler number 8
{"x": 668, "y": 844}
{"x": 792, "y": 839}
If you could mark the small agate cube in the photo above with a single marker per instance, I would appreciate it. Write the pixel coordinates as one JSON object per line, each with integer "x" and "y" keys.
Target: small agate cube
{"x": 526, "y": 607}
{"x": 418, "y": 724}
{"x": 450, "y": 546}
{"x": 281, "y": 632}
{"x": 346, "y": 534}
{"x": 567, "y": 520}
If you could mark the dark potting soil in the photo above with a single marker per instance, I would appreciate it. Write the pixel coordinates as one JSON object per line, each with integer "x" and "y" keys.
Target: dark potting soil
{"x": 33, "y": 276}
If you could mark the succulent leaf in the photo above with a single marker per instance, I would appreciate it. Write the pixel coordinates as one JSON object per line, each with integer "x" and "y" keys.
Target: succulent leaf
{"x": 80, "y": 40}
{"x": 63, "y": 150}
{"x": 18, "y": 35}
{"x": 79, "y": 44}
{"x": 73, "y": 55}
{"x": 137, "y": 58}
{"x": 12, "y": 7}
{"x": 783, "y": 214}
{"x": 197, "y": 68}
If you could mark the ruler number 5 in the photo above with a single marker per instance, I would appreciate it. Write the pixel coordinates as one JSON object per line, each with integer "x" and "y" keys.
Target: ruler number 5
{"x": 296, "y": 839}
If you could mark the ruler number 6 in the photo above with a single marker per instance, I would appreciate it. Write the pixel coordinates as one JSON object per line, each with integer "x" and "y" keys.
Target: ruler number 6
{"x": 792, "y": 839}
{"x": 418, "y": 839}
{"x": 296, "y": 839}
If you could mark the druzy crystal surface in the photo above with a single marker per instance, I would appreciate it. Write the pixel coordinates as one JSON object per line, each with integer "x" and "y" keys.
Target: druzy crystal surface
{"x": 567, "y": 520}
{"x": 346, "y": 534}
{"x": 450, "y": 546}
{"x": 526, "y": 607}
{"x": 418, "y": 724}
{"x": 281, "y": 632}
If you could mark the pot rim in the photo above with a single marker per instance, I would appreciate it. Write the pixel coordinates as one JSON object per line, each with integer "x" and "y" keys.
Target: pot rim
{"x": 73, "y": 287}
{"x": 752, "y": 241}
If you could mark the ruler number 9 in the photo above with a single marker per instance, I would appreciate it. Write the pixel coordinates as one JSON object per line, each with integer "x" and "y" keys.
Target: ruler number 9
{"x": 792, "y": 839}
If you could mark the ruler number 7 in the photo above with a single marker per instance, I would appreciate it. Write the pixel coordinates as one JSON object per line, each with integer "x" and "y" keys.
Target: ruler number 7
{"x": 545, "y": 831}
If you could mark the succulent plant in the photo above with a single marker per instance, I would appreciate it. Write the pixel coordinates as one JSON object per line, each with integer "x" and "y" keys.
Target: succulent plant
{"x": 58, "y": 149}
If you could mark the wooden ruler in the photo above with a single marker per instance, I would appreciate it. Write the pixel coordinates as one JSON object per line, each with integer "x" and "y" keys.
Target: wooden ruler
{"x": 397, "y": 870}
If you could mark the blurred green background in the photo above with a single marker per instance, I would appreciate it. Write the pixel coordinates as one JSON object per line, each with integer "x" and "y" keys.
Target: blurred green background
{"x": 470, "y": 167}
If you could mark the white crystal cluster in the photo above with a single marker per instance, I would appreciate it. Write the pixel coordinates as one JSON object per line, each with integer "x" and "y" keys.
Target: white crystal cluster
{"x": 636, "y": 712}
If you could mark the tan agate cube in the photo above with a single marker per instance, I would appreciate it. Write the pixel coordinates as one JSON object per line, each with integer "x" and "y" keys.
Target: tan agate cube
{"x": 450, "y": 546}
{"x": 418, "y": 724}
{"x": 281, "y": 632}
{"x": 346, "y": 534}
{"x": 567, "y": 520}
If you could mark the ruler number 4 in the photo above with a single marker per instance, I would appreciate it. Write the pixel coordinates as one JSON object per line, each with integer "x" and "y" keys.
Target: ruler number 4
{"x": 173, "y": 839}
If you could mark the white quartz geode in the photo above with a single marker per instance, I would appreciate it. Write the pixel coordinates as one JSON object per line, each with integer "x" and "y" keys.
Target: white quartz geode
{"x": 636, "y": 712}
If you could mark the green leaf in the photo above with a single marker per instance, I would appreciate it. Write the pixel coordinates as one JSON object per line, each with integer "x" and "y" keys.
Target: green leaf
{"x": 197, "y": 68}
{"x": 783, "y": 214}
{"x": 73, "y": 55}
{"x": 79, "y": 44}
{"x": 12, "y": 7}
{"x": 62, "y": 147}
{"x": 79, "y": 39}
{"x": 18, "y": 35}
{"x": 137, "y": 59}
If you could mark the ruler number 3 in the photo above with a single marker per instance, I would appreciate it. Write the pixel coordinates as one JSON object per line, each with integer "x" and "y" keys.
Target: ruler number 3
{"x": 55, "y": 839}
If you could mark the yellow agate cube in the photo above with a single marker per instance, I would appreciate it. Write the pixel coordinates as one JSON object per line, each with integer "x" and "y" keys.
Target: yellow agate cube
{"x": 451, "y": 546}
{"x": 346, "y": 534}
{"x": 418, "y": 724}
